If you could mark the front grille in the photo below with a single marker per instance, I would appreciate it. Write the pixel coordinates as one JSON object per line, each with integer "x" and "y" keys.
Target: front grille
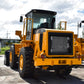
{"x": 60, "y": 43}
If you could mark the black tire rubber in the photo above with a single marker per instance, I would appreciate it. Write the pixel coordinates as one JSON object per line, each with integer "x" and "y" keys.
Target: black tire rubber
{"x": 67, "y": 71}
{"x": 64, "y": 71}
{"x": 28, "y": 63}
{"x": 13, "y": 64}
{"x": 6, "y": 58}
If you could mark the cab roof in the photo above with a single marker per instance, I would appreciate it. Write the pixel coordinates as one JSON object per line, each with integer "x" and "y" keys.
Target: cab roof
{"x": 41, "y": 11}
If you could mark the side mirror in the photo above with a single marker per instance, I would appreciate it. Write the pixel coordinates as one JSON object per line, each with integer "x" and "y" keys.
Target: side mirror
{"x": 21, "y": 18}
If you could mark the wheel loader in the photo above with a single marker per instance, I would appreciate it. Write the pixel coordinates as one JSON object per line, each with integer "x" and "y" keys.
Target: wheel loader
{"x": 42, "y": 46}
{"x": 79, "y": 40}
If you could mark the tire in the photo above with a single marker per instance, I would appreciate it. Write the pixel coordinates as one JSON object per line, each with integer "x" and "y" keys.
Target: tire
{"x": 6, "y": 58}
{"x": 63, "y": 71}
{"x": 68, "y": 71}
{"x": 13, "y": 63}
{"x": 28, "y": 63}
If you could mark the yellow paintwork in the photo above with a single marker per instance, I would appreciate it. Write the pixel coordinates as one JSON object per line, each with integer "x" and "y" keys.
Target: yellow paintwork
{"x": 45, "y": 44}
{"x": 34, "y": 43}
{"x": 19, "y": 34}
{"x": 55, "y": 61}
{"x": 10, "y": 56}
{"x": 45, "y": 67}
{"x": 79, "y": 47}
{"x": 25, "y": 28}
{"x": 60, "y": 55}
{"x": 21, "y": 62}
{"x": 17, "y": 49}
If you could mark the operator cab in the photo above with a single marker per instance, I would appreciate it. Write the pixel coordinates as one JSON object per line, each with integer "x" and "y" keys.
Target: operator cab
{"x": 42, "y": 18}
{"x": 37, "y": 21}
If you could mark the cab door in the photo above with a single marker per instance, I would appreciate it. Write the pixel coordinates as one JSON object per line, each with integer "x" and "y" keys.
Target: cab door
{"x": 29, "y": 30}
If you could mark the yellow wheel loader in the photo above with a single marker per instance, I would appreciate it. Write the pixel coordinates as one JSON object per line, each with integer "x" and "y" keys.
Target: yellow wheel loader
{"x": 42, "y": 46}
{"x": 79, "y": 40}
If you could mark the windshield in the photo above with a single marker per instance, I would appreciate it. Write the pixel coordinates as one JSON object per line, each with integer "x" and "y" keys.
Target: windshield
{"x": 43, "y": 21}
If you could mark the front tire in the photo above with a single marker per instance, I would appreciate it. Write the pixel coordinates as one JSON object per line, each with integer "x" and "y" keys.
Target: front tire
{"x": 26, "y": 63}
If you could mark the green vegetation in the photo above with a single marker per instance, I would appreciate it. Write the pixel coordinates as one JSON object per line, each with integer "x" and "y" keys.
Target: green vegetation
{"x": 4, "y": 49}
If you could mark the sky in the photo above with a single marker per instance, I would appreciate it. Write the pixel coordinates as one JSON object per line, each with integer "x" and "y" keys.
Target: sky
{"x": 71, "y": 11}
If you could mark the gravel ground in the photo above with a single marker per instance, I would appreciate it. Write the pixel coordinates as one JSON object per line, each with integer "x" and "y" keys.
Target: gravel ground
{"x": 9, "y": 76}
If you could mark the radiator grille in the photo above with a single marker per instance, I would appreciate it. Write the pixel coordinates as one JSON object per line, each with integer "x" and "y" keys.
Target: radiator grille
{"x": 60, "y": 43}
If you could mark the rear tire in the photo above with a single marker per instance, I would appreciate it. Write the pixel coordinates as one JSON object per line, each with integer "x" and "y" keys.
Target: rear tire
{"x": 28, "y": 63}
{"x": 63, "y": 71}
{"x": 6, "y": 58}
{"x": 13, "y": 62}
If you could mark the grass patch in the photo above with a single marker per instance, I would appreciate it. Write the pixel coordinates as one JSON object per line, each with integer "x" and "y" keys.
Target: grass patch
{"x": 4, "y": 49}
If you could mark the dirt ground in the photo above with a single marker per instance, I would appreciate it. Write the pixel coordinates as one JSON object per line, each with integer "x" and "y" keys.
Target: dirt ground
{"x": 9, "y": 76}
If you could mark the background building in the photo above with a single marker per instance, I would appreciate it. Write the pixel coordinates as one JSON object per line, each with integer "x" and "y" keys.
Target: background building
{"x": 8, "y": 42}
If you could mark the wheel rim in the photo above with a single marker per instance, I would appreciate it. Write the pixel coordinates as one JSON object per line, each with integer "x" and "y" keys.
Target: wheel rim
{"x": 10, "y": 57}
{"x": 21, "y": 62}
